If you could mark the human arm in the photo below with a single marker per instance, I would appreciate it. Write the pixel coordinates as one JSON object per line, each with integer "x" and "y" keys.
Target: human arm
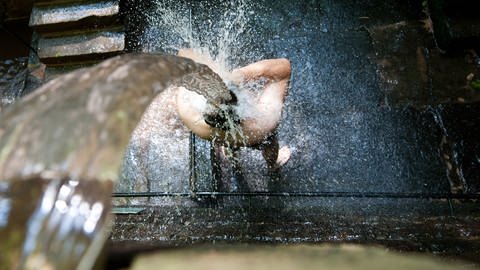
{"x": 273, "y": 69}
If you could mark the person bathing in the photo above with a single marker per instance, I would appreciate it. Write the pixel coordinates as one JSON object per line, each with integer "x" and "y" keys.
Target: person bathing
{"x": 256, "y": 114}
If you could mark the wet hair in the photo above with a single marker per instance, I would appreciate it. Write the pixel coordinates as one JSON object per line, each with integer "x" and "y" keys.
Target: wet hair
{"x": 220, "y": 117}
{"x": 233, "y": 88}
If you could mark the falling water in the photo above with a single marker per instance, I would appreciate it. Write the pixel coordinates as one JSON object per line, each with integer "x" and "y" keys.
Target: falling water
{"x": 61, "y": 149}
{"x": 219, "y": 39}
{"x": 171, "y": 26}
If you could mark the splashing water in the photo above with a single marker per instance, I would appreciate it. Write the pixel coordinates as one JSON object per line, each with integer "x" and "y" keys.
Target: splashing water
{"x": 216, "y": 40}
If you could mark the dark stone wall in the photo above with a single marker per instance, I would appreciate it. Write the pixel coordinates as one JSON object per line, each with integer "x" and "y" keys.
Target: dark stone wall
{"x": 344, "y": 134}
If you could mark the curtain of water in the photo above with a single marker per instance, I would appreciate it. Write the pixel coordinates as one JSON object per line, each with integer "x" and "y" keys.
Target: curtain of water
{"x": 218, "y": 32}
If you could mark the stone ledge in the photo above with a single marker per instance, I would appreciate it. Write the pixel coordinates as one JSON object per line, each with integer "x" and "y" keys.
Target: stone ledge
{"x": 84, "y": 47}
{"x": 67, "y": 16}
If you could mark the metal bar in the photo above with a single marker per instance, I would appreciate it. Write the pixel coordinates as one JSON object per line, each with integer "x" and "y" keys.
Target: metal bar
{"x": 192, "y": 165}
{"x": 127, "y": 210}
{"x": 386, "y": 195}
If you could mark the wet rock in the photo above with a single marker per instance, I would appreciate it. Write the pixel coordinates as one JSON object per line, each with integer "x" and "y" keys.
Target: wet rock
{"x": 71, "y": 31}
{"x": 89, "y": 46}
{"x": 401, "y": 62}
{"x": 455, "y": 24}
{"x": 288, "y": 257}
{"x": 343, "y": 138}
{"x": 413, "y": 70}
{"x": 75, "y": 15}
{"x": 11, "y": 71}
{"x": 38, "y": 71}
{"x": 8, "y": 62}
{"x": 12, "y": 80}
{"x": 459, "y": 145}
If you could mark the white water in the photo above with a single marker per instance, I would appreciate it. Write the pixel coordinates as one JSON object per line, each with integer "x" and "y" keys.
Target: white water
{"x": 217, "y": 40}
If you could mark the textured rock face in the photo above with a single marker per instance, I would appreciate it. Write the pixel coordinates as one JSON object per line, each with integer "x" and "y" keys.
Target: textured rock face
{"x": 56, "y": 50}
{"x": 74, "y": 31}
{"x": 348, "y": 133}
{"x": 12, "y": 80}
{"x": 57, "y": 16}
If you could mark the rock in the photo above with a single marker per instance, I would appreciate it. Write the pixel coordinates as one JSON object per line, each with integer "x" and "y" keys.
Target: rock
{"x": 84, "y": 47}
{"x": 288, "y": 257}
{"x": 75, "y": 15}
{"x": 72, "y": 32}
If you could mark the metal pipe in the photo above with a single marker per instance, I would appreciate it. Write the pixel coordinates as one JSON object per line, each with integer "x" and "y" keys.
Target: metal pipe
{"x": 385, "y": 195}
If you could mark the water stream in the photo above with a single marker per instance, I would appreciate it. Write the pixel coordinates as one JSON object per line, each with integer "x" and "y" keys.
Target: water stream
{"x": 61, "y": 153}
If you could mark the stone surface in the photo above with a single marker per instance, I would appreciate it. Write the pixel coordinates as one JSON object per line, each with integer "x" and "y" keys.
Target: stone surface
{"x": 75, "y": 32}
{"x": 13, "y": 74}
{"x": 87, "y": 46}
{"x": 75, "y": 15}
{"x": 414, "y": 71}
{"x": 399, "y": 224}
{"x": 288, "y": 257}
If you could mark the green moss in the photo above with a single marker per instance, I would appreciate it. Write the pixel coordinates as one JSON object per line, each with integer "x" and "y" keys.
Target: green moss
{"x": 475, "y": 84}
{"x": 425, "y": 4}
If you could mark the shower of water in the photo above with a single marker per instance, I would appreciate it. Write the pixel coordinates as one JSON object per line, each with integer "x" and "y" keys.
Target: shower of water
{"x": 342, "y": 136}
{"x": 218, "y": 40}
{"x": 219, "y": 32}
